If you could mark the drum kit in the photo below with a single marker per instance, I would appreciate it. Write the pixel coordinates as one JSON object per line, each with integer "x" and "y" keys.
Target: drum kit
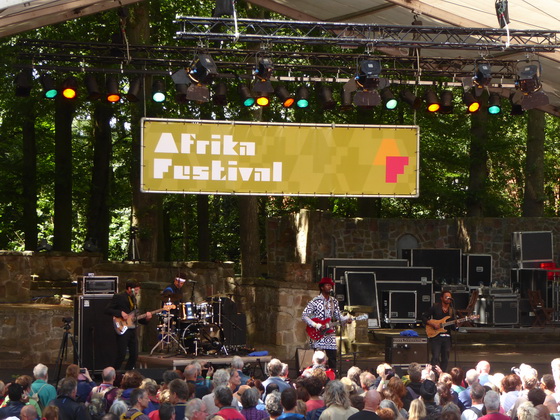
{"x": 192, "y": 327}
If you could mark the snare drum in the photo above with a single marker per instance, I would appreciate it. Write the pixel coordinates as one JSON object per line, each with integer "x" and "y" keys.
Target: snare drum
{"x": 204, "y": 311}
{"x": 187, "y": 312}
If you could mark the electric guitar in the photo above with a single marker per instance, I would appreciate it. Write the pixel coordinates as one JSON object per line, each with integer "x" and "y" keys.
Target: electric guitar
{"x": 431, "y": 332}
{"x": 121, "y": 325}
{"x": 315, "y": 334}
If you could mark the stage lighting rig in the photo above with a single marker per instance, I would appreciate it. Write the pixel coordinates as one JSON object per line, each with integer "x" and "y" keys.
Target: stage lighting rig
{"x": 204, "y": 70}
{"x": 446, "y": 106}
{"x": 432, "y": 101}
{"x": 483, "y": 75}
{"x": 367, "y": 77}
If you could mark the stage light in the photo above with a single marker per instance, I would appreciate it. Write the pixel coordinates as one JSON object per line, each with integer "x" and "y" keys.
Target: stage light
{"x": 325, "y": 96}
{"x": 286, "y": 99}
{"x": 528, "y": 78}
{"x": 70, "y": 88}
{"x": 368, "y": 74}
{"x": 49, "y": 88}
{"x": 302, "y": 97}
{"x": 472, "y": 104}
{"x": 432, "y": 101}
{"x": 264, "y": 69}
{"x": 182, "y": 82}
{"x": 483, "y": 75}
{"x": 389, "y": 99}
{"x": 346, "y": 99}
{"x": 367, "y": 99}
{"x": 24, "y": 82}
{"x": 92, "y": 87}
{"x": 112, "y": 85}
{"x": 263, "y": 99}
{"x": 411, "y": 99}
{"x": 220, "y": 94}
{"x": 158, "y": 91}
{"x": 204, "y": 70}
{"x": 494, "y": 104}
{"x": 133, "y": 94}
{"x": 247, "y": 97}
{"x": 446, "y": 106}
{"x": 223, "y": 8}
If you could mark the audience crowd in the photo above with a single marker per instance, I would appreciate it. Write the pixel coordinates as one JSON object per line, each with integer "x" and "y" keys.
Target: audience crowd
{"x": 202, "y": 393}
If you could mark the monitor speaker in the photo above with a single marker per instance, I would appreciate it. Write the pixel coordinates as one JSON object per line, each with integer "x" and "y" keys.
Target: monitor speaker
{"x": 304, "y": 358}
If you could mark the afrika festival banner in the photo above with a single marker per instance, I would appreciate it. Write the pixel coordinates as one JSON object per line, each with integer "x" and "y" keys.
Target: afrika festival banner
{"x": 220, "y": 157}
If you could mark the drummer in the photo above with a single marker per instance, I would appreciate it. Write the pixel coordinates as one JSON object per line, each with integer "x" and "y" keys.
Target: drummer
{"x": 173, "y": 292}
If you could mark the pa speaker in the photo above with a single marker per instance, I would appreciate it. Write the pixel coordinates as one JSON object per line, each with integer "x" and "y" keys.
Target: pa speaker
{"x": 97, "y": 341}
{"x": 405, "y": 350}
{"x": 304, "y": 358}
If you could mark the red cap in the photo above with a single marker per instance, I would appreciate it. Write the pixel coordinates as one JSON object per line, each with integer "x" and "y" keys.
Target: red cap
{"x": 326, "y": 280}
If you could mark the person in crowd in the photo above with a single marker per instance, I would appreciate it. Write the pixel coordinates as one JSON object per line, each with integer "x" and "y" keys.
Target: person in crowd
{"x": 367, "y": 379}
{"x": 191, "y": 375}
{"x": 414, "y": 384}
{"x": 178, "y": 396}
{"x": 274, "y": 405}
{"x": 450, "y": 411}
{"x": 477, "y": 403}
{"x": 15, "y": 402}
{"x": 440, "y": 341}
{"x": 314, "y": 387}
{"x": 234, "y": 381}
{"x": 458, "y": 376}
{"x": 465, "y": 401}
{"x": 274, "y": 371}
{"x": 249, "y": 401}
{"x": 511, "y": 385}
{"x": 548, "y": 385}
{"x": 483, "y": 370}
{"x": 526, "y": 411}
{"x": 131, "y": 380}
{"x": 446, "y": 379}
{"x": 139, "y": 401}
{"x": 385, "y": 403}
{"x": 85, "y": 383}
{"x": 29, "y": 412}
{"x": 237, "y": 363}
{"x": 167, "y": 377}
{"x": 396, "y": 391}
{"x": 118, "y": 408}
{"x": 50, "y": 412}
{"x": 106, "y": 390}
{"x": 318, "y": 313}
{"x": 385, "y": 413}
{"x": 122, "y": 307}
{"x": 428, "y": 392}
{"x": 166, "y": 411}
{"x": 417, "y": 410}
{"x": 492, "y": 407}
{"x": 319, "y": 360}
{"x": 529, "y": 381}
{"x": 45, "y": 391}
{"x": 354, "y": 375}
{"x": 151, "y": 388}
{"x": 288, "y": 399}
{"x": 223, "y": 399}
{"x": 444, "y": 393}
{"x": 220, "y": 378}
{"x": 69, "y": 408}
{"x": 196, "y": 409}
{"x": 337, "y": 402}
{"x": 372, "y": 399}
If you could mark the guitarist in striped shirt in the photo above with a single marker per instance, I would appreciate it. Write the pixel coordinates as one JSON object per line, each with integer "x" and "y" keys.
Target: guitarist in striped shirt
{"x": 122, "y": 305}
{"x": 318, "y": 314}
{"x": 440, "y": 344}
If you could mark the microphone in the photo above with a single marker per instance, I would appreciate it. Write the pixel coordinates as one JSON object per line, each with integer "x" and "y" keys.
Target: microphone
{"x": 449, "y": 298}
{"x": 191, "y": 281}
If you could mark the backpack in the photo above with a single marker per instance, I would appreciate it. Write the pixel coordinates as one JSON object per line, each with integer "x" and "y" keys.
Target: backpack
{"x": 132, "y": 417}
{"x": 36, "y": 398}
{"x": 476, "y": 411}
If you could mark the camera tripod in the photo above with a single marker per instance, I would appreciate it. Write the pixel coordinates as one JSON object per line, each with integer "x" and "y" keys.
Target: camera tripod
{"x": 63, "y": 352}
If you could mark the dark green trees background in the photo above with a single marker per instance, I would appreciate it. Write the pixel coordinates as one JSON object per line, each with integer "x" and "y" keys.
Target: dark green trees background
{"x": 70, "y": 170}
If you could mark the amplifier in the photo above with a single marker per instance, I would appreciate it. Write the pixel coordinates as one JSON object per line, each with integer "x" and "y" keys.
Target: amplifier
{"x": 405, "y": 350}
{"x": 95, "y": 285}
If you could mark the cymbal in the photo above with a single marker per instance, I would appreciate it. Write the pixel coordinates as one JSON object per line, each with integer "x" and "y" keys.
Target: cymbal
{"x": 171, "y": 296}
{"x": 219, "y": 295}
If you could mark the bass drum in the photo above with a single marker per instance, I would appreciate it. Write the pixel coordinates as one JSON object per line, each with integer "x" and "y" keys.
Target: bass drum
{"x": 205, "y": 338}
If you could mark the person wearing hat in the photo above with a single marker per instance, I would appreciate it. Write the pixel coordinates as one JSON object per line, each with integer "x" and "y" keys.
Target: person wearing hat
{"x": 173, "y": 291}
{"x": 122, "y": 307}
{"x": 428, "y": 392}
{"x": 319, "y": 313}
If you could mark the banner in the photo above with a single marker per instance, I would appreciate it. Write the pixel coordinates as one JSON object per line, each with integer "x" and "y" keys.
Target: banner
{"x": 220, "y": 157}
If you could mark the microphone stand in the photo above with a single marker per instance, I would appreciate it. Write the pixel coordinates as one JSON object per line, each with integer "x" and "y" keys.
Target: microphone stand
{"x": 453, "y": 343}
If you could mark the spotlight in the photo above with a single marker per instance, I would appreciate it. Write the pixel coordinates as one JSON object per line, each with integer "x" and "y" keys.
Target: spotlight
{"x": 388, "y": 99}
{"x": 158, "y": 91}
{"x": 284, "y": 96}
{"x": 432, "y": 101}
{"x": 446, "y": 102}
{"x": 324, "y": 94}
{"x": 247, "y": 97}
{"x": 92, "y": 87}
{"x": 220, "y": 94}
{"x": 70, "y": 88}
{"x": 411, "y": 99}
{"x": 49, "y": 89}
{"x": 223, "y": 8}
{"x": 483, "y": 75}
{"x": 204, "y": 70}
{"x": 302, "y": 97}
{"x": 182, "y": 82}
{"x": 494, "y": 104}
{"x": 263, "y": 99}
{"x": 367, "y": 99}
{"x": 346, "y": 99}
{"x": 112, "y": 85}
{"x": 368, "y": 74}
{"x": 264, "y": 69}
{"x": 472, "y": 104}
{"x": 133, "y": 94}
{"x": 24, "y": 82}
{"x": 528, "y": 78}
{"x": 198, "y": 93}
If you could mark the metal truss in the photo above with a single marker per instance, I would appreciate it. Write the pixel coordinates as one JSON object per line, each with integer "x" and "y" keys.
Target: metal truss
{"x": 362, "y": 34}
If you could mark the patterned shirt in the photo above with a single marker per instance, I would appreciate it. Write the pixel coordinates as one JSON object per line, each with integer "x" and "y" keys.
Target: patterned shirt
{"x": 324, "y": 309}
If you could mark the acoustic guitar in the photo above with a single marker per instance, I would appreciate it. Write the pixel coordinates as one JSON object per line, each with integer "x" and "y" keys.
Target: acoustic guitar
{"x": 121, "y": 325}
{"x": 431, "y": 332}
{"x": 329, "y": 327}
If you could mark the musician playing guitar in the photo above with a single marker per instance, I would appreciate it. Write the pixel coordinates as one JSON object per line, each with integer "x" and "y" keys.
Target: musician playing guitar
{"x": 319, "y": 312}
{"x": 440, "y": 344}
{"x": 123, "y": 305}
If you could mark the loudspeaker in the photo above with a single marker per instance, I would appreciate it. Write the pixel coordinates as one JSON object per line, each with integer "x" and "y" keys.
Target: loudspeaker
{"x": 304, "y": 358}
{"x": 405, "y": 350}
{"x": 96, "y": 338}
{"x": 477, "y": 269}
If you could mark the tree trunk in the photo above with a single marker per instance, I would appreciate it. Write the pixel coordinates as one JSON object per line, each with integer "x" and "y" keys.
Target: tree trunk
{"x": 29, "y": 179}
{"x": 249, "y": 236}
{"x": 478, "y": 167}
{"x": 99, "y": 217}
{"x": 64, "y": 114}
{"x": 203, "y": 223}
{"x": 533, "y": 198}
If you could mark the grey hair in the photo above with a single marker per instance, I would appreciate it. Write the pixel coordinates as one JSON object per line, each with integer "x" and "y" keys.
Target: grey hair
{"x": 273, "y": 404}
{"x": 221, "y": 377}
{"x": 319, "y": 357}
{"x": 67, "y": 386}
{"x": 250, "y": 398}
{"x": 223, "y": 395}
{"x": 526, "y": 411}
{"x": 471, "y": 377}
{"x": 354, "y": 374}
{"x": 335, "y": 394}
{"x": 118, "y": 407}
{"x": 193, "y": 406}
{"x": 108, "y": 374}
{"x": 40, "y": 371}
{"x": 190, "y": 370}
{"x": 274, "y": 367}
{"x": 492, "y": 401}
{"x": 237, "y": 362}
